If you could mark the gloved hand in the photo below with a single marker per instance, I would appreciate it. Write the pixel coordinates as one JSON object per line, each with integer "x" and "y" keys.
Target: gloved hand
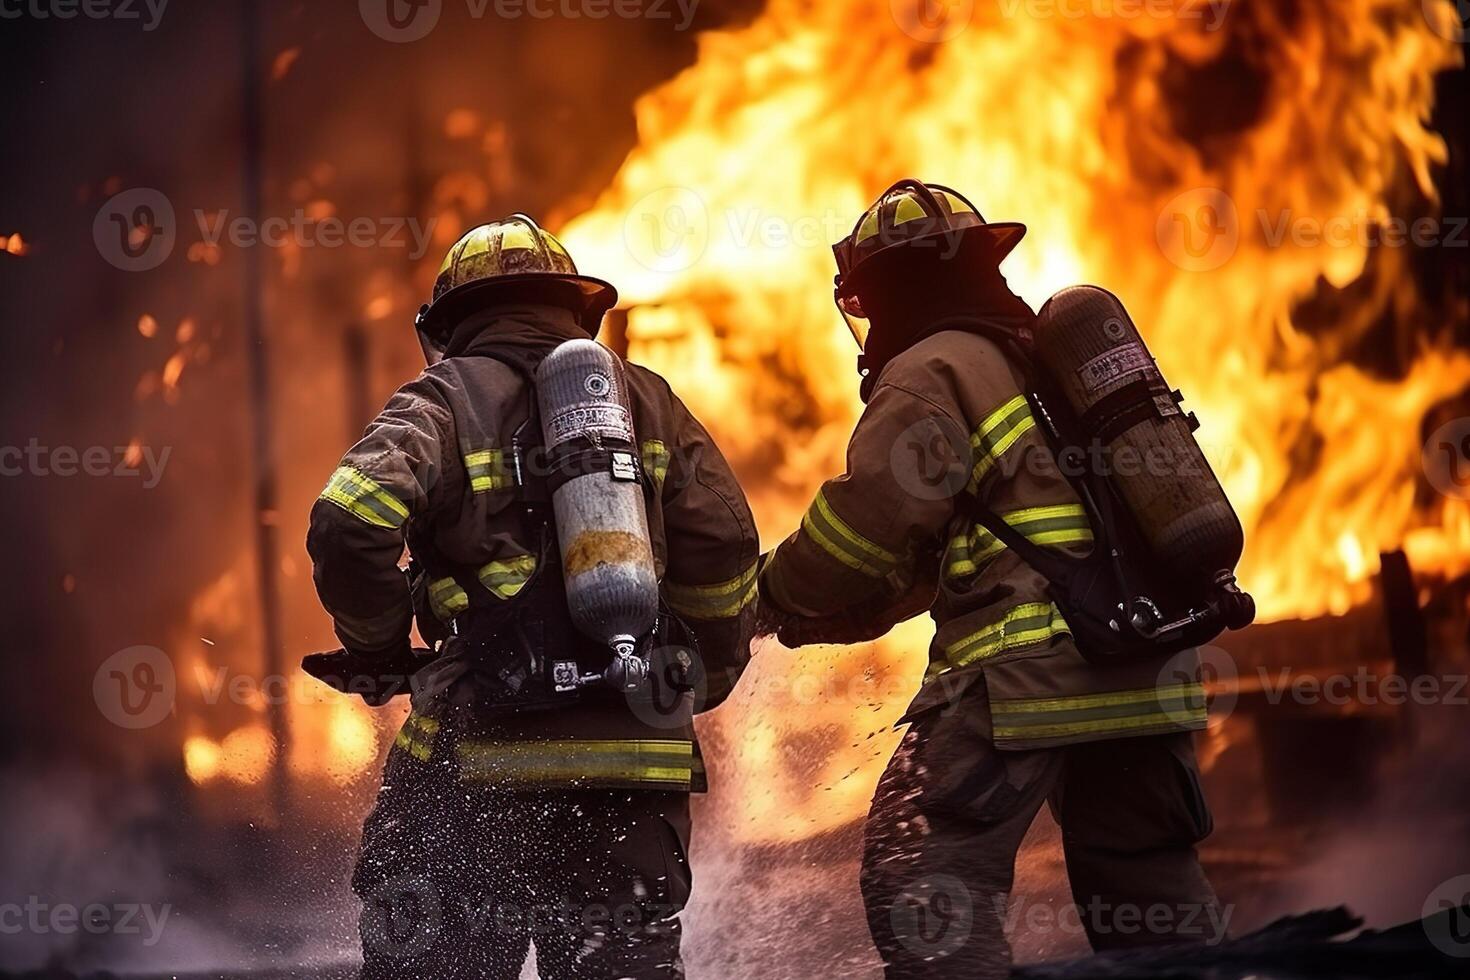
{"x": 376, "y": 677}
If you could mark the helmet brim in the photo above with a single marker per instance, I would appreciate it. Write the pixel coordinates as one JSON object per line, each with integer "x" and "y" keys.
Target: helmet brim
{"x": 990, "y": 242}
{"x": 588, "y": 297}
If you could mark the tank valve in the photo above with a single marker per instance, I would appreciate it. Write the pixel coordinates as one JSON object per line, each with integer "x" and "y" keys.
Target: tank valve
{"x": 628, "y": 671}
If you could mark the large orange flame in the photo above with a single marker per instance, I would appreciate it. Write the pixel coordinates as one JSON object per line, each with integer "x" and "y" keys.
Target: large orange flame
{"x": 1182, "y": 161}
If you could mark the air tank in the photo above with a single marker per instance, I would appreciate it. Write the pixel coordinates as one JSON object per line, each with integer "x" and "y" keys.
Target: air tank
{"x": 598, "y": 503}
{"x": 1120, "y": 404}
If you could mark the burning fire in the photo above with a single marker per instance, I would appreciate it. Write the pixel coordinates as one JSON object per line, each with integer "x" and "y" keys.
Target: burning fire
{"x": 1112, "y": 137}
{"x": 1120, "y": 141}
{"x": 1106, "y": 135}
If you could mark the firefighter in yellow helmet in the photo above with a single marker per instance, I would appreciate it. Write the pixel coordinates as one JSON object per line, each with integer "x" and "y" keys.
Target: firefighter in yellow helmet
{"x": 1010, "y": 716}
{"x": 514, "y": 812}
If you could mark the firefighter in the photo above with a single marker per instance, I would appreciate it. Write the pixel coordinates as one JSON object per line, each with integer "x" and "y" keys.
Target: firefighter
{"x": 563, "y": 825}
{"x": 1010, "y": 716}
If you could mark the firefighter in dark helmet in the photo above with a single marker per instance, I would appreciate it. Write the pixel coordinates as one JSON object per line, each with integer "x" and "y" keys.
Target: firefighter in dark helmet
{"x": 512, "y": 813}
{"x": 1010, "y": 716}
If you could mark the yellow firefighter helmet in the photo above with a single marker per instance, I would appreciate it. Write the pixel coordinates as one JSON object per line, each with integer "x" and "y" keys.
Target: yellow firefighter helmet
{"x": 505, "y": 261}
{"x": 908, "y": 217}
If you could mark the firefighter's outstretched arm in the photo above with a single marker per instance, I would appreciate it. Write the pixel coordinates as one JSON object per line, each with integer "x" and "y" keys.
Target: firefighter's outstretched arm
{"x": 358, "y": 523}
{"x": 713, "y": 549}
{"x": 865, "y": 556}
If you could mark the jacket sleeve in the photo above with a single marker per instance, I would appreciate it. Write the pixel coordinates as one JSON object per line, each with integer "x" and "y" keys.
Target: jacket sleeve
{"x": 866, "y": 554}
{"x": 356, "y": 535}
{"x": 713, "y": 549}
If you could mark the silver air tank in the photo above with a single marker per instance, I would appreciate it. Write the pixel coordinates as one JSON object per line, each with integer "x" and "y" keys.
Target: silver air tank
{"x": 601, "y": 524}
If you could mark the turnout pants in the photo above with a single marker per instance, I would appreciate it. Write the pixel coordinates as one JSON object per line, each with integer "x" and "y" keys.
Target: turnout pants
{"x": 459, "y": 880}
{"x": 951, "y": 811}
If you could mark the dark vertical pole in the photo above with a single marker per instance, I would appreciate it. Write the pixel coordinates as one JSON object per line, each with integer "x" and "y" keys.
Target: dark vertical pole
{"x": 267, "y": 549}
{"x": 359, "y": 382}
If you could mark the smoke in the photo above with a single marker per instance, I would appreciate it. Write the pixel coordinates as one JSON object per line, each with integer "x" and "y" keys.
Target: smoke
{"x": 111, "y": 872}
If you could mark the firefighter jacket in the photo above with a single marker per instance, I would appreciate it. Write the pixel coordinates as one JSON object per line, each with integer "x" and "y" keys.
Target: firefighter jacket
{"x": 434, "y": 471}
{"x": 947, "y": 425}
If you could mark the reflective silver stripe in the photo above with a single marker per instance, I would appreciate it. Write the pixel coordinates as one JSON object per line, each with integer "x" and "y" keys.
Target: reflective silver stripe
{"x": 1022, "y": 626}
{"x": 361, "y": 496}
{"x": 997, "y": 433}
{"x": 1172, "y": 707}
{"x": 838, "y": 538}
{"x": 507, "y": 576}
{"x": 667, "y": 764}
{"x": 487, "y": 470}
{"x": 722, "y": 600}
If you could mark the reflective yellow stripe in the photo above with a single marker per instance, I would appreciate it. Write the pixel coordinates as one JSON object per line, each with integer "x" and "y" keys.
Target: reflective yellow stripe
{"x": 720, "y": 601}
{"x": 661, "y": 763}
{"x": 998, "y": 432}
{"x": 506, "y": 577}
{"x": 447, "y": 599}
{"x": 1050, "y": 526}
{"x": 1176, "y": 707}
{"x": 419, "y": 743}
{"x": 836, "y": 537}
{"x": 487, "y": 470}
{"x": 361, "y": 496}
{"x": 656, "y": 462}
{"x": 1025, "y": 625}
